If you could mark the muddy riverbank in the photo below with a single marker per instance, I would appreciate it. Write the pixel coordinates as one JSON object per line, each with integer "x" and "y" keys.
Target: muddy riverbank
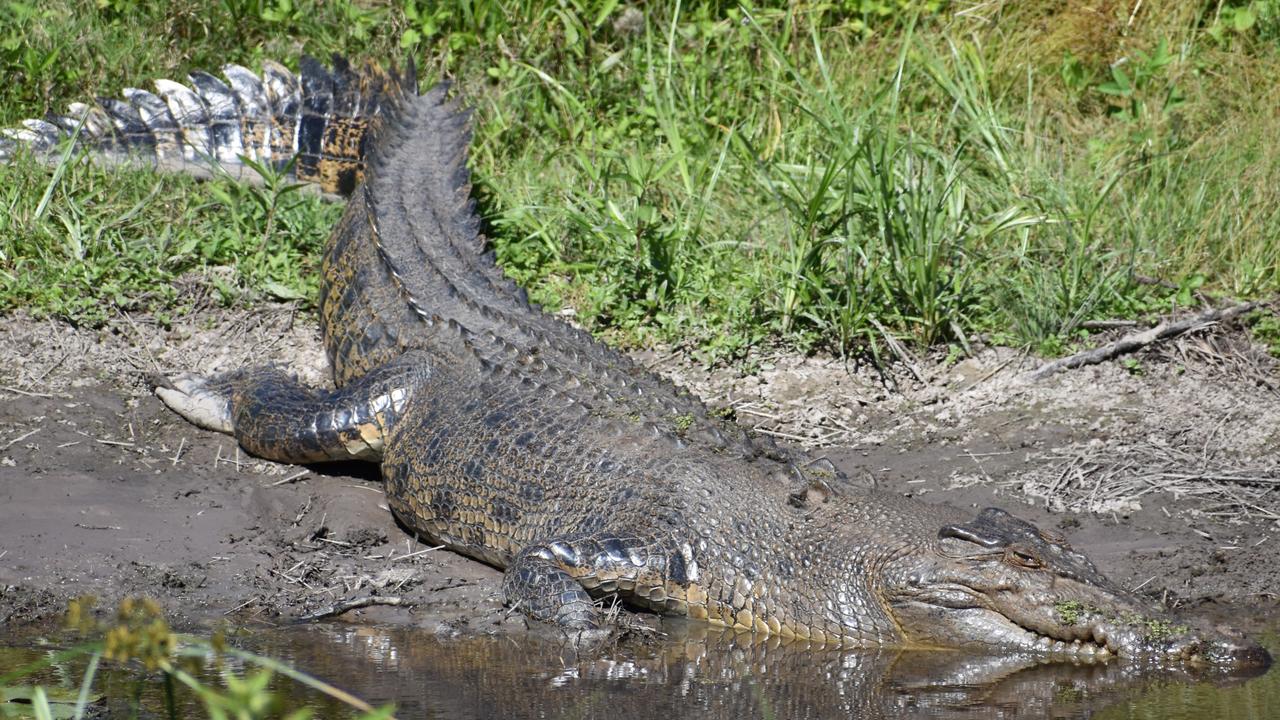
{"x": 1162, "y": 470}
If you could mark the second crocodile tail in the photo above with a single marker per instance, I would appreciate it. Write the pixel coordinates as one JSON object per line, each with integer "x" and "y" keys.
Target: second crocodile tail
{"x": 320, "y": 116}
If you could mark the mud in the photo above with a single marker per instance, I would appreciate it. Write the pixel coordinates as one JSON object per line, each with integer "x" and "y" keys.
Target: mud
{"x": 1163, "y": 472}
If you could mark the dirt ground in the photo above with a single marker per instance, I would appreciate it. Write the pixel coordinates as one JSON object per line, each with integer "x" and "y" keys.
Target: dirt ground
{"x": 1163, "y": 470}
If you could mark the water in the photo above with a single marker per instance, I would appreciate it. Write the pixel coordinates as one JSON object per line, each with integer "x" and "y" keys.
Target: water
{"x": 698, "y": 672}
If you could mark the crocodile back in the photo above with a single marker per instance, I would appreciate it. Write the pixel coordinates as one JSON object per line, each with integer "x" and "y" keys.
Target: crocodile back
{"x": 435, "y": 286}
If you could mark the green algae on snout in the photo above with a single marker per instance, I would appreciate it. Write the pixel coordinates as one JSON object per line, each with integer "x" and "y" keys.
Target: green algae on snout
{"x": 1160, "y": 629}
{"x": 1073, "y": 612}
{"x": 1156, "y": 628}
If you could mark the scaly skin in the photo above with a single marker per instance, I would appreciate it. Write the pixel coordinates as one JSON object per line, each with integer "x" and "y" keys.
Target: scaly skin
{"x": 515, "y": 439}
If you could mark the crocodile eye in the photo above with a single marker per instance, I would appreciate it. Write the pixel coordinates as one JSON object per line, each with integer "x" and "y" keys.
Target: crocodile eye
{"x": 1022, "y": 558}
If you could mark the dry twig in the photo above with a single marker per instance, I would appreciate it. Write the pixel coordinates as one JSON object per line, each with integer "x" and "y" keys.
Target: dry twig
{"x": 354, "y": 604}
{"x": 27, "y": 393}
{"x": 19, "y": 439}
{"x": 904, "y": 356}
{"x": 1137, "y": 341}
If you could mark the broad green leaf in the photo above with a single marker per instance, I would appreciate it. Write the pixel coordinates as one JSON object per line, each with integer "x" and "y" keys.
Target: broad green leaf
{"x": 1243, "y": 19}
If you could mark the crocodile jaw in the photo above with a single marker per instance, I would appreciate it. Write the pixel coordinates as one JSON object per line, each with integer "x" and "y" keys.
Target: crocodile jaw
{"x": 1073, "y": 623}
{"x": 980, "y": 629}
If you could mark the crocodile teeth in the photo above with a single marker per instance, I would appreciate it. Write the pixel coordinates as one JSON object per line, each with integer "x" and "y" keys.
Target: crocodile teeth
{"x": 1100, "y": 639}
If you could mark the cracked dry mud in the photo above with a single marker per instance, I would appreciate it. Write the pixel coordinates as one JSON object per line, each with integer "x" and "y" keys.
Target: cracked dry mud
{"x": 1164, "y": 472}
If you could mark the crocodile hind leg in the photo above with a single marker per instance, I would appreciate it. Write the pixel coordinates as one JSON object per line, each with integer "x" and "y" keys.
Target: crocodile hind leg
{"x": 275, "y": 417}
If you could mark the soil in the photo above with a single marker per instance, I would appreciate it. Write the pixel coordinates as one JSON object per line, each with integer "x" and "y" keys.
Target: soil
{"x": 1163, "y": 469}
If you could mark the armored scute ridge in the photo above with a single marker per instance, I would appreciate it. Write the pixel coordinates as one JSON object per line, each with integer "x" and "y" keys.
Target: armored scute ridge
{"x": 518, "y": 440}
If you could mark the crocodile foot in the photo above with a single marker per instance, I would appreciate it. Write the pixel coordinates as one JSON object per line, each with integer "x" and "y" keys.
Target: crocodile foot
{"x": 205, "y": 402}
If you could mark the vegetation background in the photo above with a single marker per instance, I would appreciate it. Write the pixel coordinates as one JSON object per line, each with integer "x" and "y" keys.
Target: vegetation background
{"x": 714, "y": 174}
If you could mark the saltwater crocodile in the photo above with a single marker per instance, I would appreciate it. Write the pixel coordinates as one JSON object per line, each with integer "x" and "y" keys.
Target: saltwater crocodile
{"x": 518, "y": 440}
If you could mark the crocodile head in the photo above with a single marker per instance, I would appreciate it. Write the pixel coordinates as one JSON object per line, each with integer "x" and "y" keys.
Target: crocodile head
{"x": 999, "y": 582}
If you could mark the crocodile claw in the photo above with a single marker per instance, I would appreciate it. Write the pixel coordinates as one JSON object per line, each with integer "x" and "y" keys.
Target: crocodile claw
{"x": 194, "y": 398}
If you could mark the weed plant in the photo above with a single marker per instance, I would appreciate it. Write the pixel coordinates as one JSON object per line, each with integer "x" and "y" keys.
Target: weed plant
{"x": 716, "y": 175}
{"x": 134, "y": 666}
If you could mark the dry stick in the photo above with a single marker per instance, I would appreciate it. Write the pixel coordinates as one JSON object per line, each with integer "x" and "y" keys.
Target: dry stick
{"x": 1137, "y": 341}
{"x": 49, "y": 369}
{"x": 779, "y": 434}
{"x": 346, "y": 605}
{"x": 419, "y": 552}
{"x": 241, "y": 606}
{"x": 1108, "y": 324}
{"x": 1204, "y": 452}
{"x": 19, "y": 439}
{"x": 757, "y": 413}
{"x": 291, "y": 478}
{"x": 177, "y": 455}
{"x": 904, "y": 356}
{"x": 141, "y": 340}
{"x": 28, "y": 393}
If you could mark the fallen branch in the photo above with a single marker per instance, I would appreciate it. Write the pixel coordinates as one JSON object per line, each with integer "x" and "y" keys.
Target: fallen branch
{"x": 1108, "y": 324}
{"x": 347, "y": 605}
{"x": 1137, "y": 341}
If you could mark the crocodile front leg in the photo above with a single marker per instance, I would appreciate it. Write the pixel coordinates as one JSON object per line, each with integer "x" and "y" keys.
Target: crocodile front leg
{"x": 538, "y": 584}
{"x": 274, "y": 416}
{"x": 556, "y": 581}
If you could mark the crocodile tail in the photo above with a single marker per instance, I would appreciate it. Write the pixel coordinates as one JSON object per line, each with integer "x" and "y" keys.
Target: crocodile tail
{"x": 321, "y": 116}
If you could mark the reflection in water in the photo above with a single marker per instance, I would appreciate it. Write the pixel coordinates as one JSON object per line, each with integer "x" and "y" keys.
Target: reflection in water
{"x": 692, "y": 672}
{"x": 700, "y": 672}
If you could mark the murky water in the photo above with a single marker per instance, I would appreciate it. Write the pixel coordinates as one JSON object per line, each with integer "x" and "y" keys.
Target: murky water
{"x": 696, "y": 672}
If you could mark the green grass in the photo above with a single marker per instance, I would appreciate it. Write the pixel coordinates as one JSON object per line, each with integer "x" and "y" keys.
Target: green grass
{"x": 114, "y": 242}
{"x": 714, "y": 175}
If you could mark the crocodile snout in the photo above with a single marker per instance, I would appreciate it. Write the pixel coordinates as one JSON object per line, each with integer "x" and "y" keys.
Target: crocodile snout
{"x": 1231, "y": 648}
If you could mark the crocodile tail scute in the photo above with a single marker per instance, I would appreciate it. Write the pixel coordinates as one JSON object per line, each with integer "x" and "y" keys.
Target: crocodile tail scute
{"x": 321, "y": 116}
